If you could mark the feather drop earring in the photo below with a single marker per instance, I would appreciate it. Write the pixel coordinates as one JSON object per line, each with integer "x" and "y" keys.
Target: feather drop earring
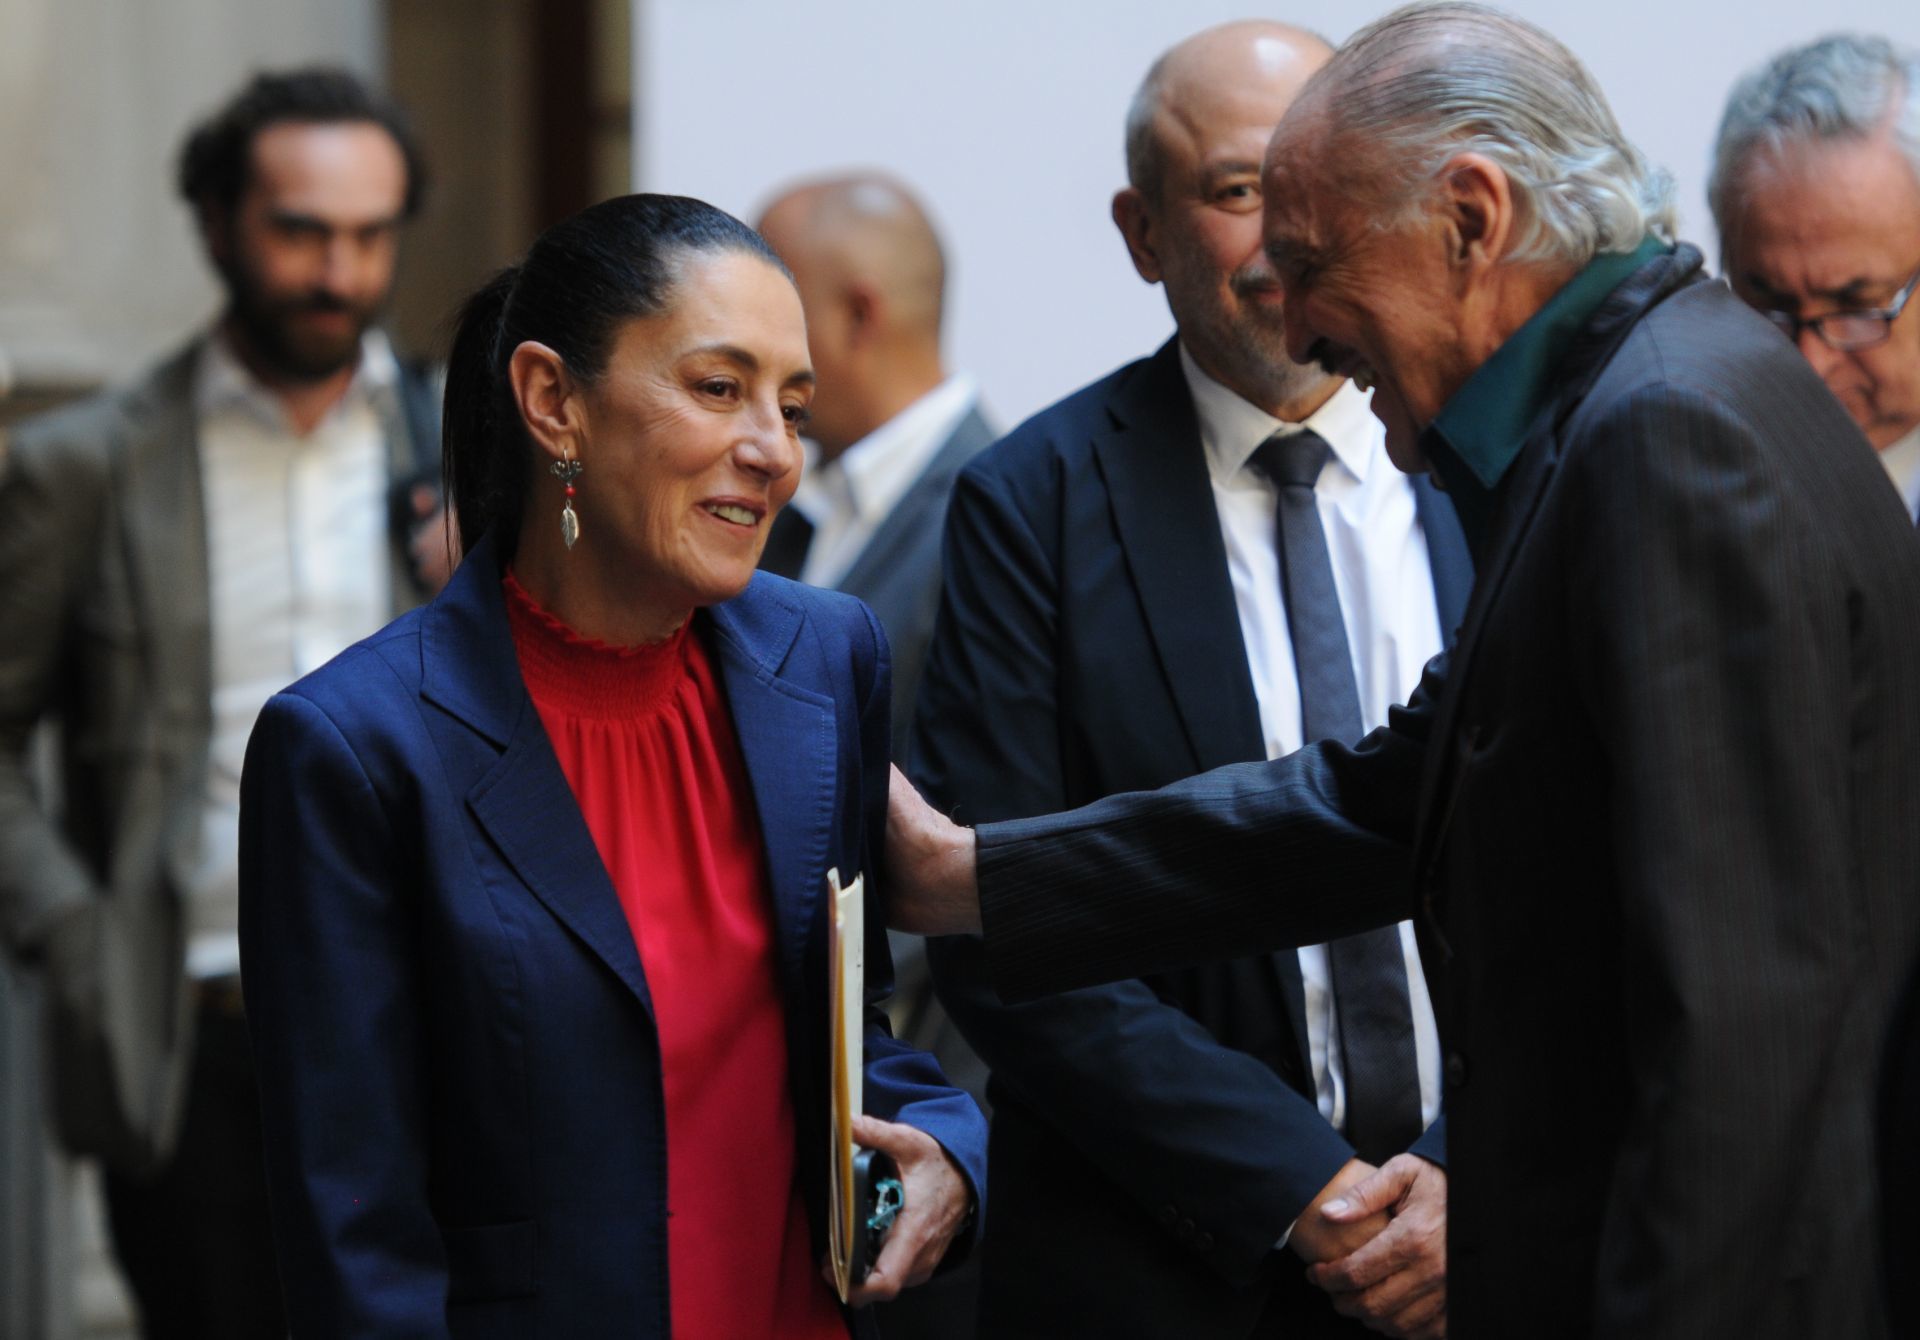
{"x": 565, "y": 471}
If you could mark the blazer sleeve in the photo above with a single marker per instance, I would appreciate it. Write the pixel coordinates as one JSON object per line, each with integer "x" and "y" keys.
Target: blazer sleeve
{"x": 1244, "y": 859}
{"x": 52, "y": 508}
{"x": 1142, "y": 1090}
{"x": 331, "y": 975}
{"x": 1703, "y": 664}
{"x": 903, "y": 1084}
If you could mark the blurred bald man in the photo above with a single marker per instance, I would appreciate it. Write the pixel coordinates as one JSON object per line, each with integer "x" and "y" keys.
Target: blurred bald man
{"x": 892, "y": 428}
{"x": 1204, "y": 558}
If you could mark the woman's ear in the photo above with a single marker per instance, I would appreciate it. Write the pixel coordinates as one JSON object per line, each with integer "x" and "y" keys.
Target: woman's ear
{"x": 548, "y": 398}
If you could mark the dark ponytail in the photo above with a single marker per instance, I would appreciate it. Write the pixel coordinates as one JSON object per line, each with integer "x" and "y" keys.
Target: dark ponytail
{"x": 577, "y": 285}
{"x": 483, "y": 483}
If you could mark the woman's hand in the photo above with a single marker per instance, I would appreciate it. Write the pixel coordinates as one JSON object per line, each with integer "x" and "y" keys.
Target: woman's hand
{"x": 937, "y": 1200}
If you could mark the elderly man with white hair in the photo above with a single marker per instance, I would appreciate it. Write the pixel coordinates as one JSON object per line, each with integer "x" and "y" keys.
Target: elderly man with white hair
{"x": 1653, "y": 814}
{"x": 1816, "y": 192}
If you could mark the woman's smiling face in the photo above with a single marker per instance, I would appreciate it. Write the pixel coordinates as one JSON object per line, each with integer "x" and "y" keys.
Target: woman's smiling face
{"x": 691, "y": 435}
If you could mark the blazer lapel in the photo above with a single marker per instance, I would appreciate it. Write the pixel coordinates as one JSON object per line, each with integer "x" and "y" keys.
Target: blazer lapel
{"x": 922, "y": 506}
{"x": 787, "y": 740}
{"x": 1525, "y": 487}
{"x": 1169, "y": 530}
{"x": 1169, "y": 526}
{"x": 522, "y": 803}
{"x": 164, "y": 526}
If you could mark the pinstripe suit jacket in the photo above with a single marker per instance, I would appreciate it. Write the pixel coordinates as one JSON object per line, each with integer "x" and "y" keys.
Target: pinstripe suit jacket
{"x": 1656, "y": 816}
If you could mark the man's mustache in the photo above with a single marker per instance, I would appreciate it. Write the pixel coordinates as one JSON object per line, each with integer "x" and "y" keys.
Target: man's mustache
{"x": 322, "y": 302}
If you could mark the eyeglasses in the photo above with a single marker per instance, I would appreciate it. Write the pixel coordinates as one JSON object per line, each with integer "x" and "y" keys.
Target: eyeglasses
{"x": 1862, "y": 328}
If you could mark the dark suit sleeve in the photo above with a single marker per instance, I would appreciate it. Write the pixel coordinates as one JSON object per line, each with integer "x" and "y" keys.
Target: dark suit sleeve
{"x": 1142, "y": 1090}
{"x": 330, "y": 978}
{"x": 1243, "y": 859}
{"x": 902, "y": 1083}
{"x": 1702, "y": 663}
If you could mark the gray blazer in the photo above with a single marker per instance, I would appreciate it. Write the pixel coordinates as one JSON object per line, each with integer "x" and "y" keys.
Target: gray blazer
{"x": 898, "y": 573}
{"x": 104, "y": 603}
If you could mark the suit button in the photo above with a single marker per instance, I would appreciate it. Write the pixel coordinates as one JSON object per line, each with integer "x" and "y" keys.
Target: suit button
{"x": 1203, "y": 1244}
{"x": 1456, "y": 1070}
{"x": 1168, "y": 1216}
{"x": 1185, "y": 1230}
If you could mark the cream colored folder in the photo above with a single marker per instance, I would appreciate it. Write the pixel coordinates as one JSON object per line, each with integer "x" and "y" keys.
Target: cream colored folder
{"x": 846, "y": 956}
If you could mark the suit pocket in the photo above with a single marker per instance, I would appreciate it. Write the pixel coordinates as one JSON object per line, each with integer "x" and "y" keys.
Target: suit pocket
{"x": 489, "y": 1261}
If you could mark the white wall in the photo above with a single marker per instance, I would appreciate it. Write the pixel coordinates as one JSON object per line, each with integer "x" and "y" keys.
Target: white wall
{"x": 1006, "y": 116}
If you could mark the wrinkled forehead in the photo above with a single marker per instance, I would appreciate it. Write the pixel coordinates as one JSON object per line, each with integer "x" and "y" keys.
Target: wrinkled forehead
{"x": 1295, "y": 182}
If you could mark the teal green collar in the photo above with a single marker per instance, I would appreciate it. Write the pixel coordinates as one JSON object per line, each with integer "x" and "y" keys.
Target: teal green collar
{"x": 1481, "y": 429}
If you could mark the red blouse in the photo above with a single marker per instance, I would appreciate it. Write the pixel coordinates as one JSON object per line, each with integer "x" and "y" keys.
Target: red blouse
{"x": 647, "y": 745}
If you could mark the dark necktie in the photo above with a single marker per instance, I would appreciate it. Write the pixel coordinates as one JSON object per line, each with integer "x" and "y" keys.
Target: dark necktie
{"x": 1369, "y": 970}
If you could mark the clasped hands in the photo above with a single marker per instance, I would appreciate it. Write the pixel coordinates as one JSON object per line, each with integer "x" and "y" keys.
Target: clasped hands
{"x": 1377, "y": 1239}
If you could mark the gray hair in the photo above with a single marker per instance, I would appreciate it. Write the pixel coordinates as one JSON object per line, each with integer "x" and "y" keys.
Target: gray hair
{"x": 1843, "y": 87}
{"x": 1434, "y": 80}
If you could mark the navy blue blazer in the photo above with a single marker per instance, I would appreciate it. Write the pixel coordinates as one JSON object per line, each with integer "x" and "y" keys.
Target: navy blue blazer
{"x": 1151, "y": 1139}
{"x": 459, "y": 1070}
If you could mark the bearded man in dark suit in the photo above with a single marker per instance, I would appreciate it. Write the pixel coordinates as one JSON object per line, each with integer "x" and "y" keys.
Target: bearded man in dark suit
{"x": 1654, "y": 812}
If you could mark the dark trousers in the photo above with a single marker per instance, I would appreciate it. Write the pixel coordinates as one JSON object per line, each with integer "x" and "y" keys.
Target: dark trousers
{"x": 195, "y": 1241}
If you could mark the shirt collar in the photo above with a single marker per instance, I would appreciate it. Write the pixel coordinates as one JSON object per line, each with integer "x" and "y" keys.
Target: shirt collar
{"x": 222, "y": 381}
{"x": 877, "y": 470}
{"x": 1233, "y": 427}
{"x": 1479, "y": 432}
{"x": 1901, "y": 460}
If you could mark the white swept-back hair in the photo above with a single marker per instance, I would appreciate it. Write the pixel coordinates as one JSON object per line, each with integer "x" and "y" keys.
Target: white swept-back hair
{"x": 1848, "y": 86}
{"x": 1409, "y": 92}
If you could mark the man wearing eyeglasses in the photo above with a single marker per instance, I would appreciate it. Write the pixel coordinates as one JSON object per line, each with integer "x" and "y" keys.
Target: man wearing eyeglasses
{"x": 1816, "y": 192}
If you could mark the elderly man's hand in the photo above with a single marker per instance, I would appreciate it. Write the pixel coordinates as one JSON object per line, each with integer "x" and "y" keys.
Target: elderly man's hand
{"x": 1397, "y": 1283}
{"x": 936, "y": 1206}
{"x": 1316, "y": 1238}
{"x": 930, "y": 887}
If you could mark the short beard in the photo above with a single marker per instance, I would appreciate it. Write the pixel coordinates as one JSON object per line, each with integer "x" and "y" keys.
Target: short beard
{"x": 1247, "y": 355}
{"x": 265, "y": 324}
{"x": 1264, "y": 374}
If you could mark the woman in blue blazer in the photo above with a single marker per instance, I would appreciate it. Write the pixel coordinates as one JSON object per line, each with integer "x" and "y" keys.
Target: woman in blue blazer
{"x": 467, "y": 988}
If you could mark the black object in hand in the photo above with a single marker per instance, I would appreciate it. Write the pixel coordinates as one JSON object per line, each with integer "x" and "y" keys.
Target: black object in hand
{"x": 880, "y": 1196}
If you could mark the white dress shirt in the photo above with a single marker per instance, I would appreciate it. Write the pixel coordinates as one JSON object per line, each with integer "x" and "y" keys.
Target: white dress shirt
{"x": 297, "y": 568}
{"x": 1901, "y": 460}
{"x": 1385, "y": 584}
{"x": 848, "y": 497}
